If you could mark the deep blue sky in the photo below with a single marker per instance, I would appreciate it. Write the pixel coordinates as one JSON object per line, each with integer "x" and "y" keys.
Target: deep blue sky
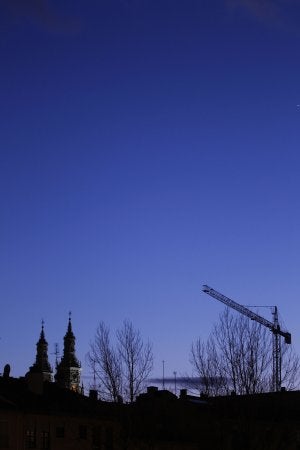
{"x": 147, "y": 147}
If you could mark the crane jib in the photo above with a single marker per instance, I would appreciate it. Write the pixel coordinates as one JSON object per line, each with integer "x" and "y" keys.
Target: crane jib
{"x": 274, "y": 328}
{"x": 247, "y": 312}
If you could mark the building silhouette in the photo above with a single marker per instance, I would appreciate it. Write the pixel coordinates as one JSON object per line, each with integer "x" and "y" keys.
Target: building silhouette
{"x": 40, "y": 412}
{"x": 41, "y": 370}
{"x": 69, "y": 368}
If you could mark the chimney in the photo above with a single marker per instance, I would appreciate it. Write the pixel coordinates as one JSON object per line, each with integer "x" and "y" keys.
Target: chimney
{"x": 93, "y": 394}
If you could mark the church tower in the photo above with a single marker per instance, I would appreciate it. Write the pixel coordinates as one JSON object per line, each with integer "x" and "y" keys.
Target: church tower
{"x": 41, "y": 370}
{"x": 68, "y": 370}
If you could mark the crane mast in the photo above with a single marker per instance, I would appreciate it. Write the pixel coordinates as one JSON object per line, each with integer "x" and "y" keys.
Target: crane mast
{"x": 274, "y": 327}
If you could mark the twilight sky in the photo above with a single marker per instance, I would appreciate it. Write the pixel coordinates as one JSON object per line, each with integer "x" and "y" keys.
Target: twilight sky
{"x": 146, "y": 147}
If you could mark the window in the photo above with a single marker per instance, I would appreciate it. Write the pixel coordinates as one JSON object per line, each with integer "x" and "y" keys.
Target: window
{"x": 60, "y": 432}
{"x": 109, "y": 439}
{"x": 82, "y": 432}
{"x": 96, "y": 438}
{"x": 30, "y": 438}
{"x": 45, "y": 440}
{"x": 4, "y": 438}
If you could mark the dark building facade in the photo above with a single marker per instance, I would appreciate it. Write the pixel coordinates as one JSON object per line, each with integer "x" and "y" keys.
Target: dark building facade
{"x": 61, "y": 419}
{"x": 56, "y": 418}
{"x": 37, "y": 413}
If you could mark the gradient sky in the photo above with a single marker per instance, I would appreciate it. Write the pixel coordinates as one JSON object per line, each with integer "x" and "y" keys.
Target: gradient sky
{"x": 146, "y": 147}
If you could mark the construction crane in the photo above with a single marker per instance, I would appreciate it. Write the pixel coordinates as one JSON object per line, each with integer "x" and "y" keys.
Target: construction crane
{"x": 273, "y": 326}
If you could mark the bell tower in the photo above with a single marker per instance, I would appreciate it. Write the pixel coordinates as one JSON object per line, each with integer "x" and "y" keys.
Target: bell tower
{"x": 68, "y": 370}
{"x": 41, "y": 370}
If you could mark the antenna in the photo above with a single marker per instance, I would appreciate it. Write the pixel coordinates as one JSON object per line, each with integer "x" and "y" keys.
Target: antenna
{"x": 163, "y": 378}
{"x": 56, "y": 353}
{"x": 175, "y": 381}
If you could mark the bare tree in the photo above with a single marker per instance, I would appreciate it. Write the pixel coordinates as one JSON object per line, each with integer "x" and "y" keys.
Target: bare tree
{"x": 290, "y": 373}
{"x": 238, "y": 356}
{"x": 136, "y": 357}
{"x": 245, "y": 350}
{"x": 105, "y": 363}
{"x": 205, "y": 361}
{"x": 122, "y": 368}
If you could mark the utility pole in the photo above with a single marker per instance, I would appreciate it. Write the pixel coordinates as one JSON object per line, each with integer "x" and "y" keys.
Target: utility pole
{"x": 175, "y": 380}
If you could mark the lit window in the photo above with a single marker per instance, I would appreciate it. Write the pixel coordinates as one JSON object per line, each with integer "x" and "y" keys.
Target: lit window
{"x": 45, "y": 440}
{"x": 30, "y": 439}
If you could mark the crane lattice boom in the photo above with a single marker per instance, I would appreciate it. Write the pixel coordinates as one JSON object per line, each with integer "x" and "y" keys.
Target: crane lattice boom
{"x": 274, "y": 327}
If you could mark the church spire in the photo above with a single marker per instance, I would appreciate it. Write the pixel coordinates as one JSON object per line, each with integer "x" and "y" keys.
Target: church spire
{"x": 41, "y": 365}
{"x": 68, "y": 370}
